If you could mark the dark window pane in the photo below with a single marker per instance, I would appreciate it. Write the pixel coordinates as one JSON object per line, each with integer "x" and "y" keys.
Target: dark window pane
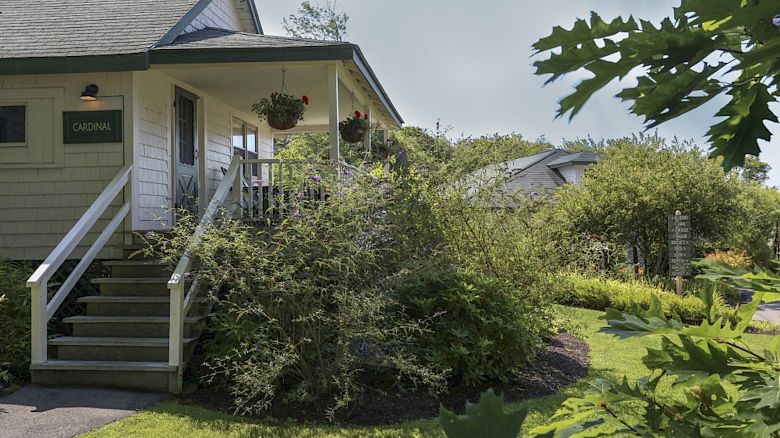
{"x": 187, "y": 131}
{"x": 12, "y": 124}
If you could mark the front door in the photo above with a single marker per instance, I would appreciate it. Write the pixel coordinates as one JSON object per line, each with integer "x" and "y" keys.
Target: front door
{"x": 186, "y": 151}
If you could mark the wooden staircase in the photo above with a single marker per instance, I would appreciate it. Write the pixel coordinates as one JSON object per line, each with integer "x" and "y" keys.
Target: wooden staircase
{"x": 122, "y": 340}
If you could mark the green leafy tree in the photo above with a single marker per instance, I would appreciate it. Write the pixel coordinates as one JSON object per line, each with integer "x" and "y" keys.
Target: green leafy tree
{"x": 754, "y": 170}
{"x": 320, "y": 22}
{"x": 706, "y": 49}
{"x": 629, "y": 194}
{"x": 474, "y": 153}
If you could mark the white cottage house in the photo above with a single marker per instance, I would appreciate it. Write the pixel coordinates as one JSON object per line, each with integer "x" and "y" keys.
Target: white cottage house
{"x": 114, "y": 113}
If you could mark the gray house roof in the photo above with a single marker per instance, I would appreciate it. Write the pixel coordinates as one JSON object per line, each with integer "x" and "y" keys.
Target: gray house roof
{"x": 76, "y": 36}
{"x": 579, "y": 158}
{"x": 535, "y": 173}
{"x": 58, "y": 28}
{"x": 210, "y": 38}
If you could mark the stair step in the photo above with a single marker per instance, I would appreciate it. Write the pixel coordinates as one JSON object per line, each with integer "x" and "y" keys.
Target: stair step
{"x": 130, "y": 326}
{"x": 103, "y": 365}
{"x": 148, "y": 376}
{"x": 135, "y": 286}
{"x": 138, "y": 268}
{"x": 112, "y": 342}
{"x": 114, "y": 349}
{"x": 130, "y": 280}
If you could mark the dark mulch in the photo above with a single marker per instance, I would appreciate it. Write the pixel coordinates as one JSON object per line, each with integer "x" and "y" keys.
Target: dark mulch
{"x": 563, "y": 362}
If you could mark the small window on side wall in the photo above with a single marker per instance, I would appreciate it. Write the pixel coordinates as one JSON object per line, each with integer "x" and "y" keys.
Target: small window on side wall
{"x": 13, "y": 124}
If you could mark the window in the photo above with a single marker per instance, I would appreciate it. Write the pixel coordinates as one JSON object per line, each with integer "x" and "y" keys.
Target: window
{"x": 251, "y": 141}
{"x": 13, "y": 124}
{"x": 239, "y": 145}
{"x": 244, "y": 139}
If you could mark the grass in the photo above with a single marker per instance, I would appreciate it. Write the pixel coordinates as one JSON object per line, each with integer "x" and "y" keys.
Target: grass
{"x": 611, "y": 358}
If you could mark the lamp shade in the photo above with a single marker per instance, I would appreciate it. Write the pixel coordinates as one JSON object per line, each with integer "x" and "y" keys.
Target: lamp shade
{"x": 90, "y": 93}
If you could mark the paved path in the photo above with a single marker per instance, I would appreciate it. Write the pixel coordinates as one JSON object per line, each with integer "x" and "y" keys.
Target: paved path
{"x": 35, "y": 411}
{"x": 768, "y": 312}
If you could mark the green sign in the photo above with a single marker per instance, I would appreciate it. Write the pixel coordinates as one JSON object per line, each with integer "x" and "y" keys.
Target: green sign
{"x": 92, "y": 126}
{"x": 680, "y": 246}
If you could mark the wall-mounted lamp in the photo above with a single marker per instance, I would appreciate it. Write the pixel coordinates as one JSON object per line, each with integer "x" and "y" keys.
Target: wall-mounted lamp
{"x": 90, "y": 93}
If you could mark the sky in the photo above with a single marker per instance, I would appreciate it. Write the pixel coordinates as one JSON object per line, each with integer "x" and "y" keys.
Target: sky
{"x": 469, "y": 64}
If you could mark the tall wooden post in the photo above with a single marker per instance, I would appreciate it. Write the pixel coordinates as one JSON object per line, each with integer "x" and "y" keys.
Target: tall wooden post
{"x": 679, "y": 279}
{"x": 333, "y": 103}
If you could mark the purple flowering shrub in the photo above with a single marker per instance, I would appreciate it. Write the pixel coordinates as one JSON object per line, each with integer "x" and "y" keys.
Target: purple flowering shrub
{"x": 303, "y": 310}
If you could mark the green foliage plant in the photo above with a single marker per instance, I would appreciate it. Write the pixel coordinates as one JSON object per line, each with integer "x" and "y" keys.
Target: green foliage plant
{"x": 481, "y": 328}
{"x": 303, "y": 310}
{"x": 730, "y": 389}
{"x": 484, "y": 419}
{"x": 281, "y": 105}
{"x": 706, "y": 49}
{"x": 603, "y": 293}
{"x": 14, "y": 318}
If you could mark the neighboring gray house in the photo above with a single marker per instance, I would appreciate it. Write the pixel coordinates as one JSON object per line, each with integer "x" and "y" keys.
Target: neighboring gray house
{"x": 538, "y": 173}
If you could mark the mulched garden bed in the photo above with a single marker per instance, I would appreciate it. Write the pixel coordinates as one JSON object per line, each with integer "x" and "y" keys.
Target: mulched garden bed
{"x": 564, "y": 361}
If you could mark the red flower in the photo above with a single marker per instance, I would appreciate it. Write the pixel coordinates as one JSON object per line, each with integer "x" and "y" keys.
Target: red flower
{"x": 305, "y": 100}
{"x": 366, "y": 117}
{"x": 357, "y": 114}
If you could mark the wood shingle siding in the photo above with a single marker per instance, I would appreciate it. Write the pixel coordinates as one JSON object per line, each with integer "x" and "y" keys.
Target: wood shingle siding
{"x": 221, "y": 14}
{"x": 40, "y": 202}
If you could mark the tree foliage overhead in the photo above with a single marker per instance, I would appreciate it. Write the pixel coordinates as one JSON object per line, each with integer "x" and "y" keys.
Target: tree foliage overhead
{"x": 320, "y": 22}
{"x": 708, "y": 48}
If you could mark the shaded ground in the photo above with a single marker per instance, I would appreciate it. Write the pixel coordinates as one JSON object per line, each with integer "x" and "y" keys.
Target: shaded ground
{"x": 564, "y": 362}
{"x": 36, "y": 411}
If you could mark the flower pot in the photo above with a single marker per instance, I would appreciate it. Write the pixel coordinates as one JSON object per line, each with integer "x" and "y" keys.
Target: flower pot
{"x": 283, "y": 121}
{"x": 353, "y": 134}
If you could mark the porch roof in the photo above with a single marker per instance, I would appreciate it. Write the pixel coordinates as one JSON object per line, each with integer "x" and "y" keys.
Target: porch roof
{"x": 220, "y": 46}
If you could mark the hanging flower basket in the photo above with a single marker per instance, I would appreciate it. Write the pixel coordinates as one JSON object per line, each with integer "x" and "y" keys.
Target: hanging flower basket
{"x": 282, "y": 111}
{"x": 355, "y": 128}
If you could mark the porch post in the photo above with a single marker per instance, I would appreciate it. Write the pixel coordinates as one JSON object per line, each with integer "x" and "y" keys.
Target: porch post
{"x": 333, "y": 102}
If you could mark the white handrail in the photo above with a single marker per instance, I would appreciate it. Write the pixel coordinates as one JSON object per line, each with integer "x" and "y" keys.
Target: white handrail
{"x": 41, "y": 310}
{"x": 179, "y": 304}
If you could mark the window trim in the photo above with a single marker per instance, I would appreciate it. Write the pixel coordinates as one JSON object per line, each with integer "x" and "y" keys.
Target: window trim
{"x": 26, "y": 141}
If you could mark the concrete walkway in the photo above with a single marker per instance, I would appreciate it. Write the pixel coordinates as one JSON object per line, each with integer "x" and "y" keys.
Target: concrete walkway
{"x": 35, "y": 411}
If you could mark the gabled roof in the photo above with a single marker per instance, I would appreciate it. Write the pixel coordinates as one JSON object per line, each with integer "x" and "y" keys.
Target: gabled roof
{"x": 59, "y": 28}
{"x": 579, "y": 158}
{"x": 219, "y": 39}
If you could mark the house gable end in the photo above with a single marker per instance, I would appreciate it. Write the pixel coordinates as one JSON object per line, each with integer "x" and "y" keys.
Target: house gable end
{"x": 233, "y": 15}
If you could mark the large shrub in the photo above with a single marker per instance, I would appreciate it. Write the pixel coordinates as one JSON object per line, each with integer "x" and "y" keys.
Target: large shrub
{"x": 304, "y": 309}
{"x": 14, "y": 318}
{"x": 481, "y": 327}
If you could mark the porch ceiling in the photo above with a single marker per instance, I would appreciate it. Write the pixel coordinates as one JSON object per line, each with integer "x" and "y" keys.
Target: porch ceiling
{"x": 242, "y": 84}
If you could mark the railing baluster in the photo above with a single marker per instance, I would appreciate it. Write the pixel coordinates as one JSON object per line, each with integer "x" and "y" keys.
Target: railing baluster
{"x": 271, "y": 184}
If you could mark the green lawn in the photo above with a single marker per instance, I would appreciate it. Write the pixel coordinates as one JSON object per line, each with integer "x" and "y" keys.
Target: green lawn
{"x": 611, "y": 358}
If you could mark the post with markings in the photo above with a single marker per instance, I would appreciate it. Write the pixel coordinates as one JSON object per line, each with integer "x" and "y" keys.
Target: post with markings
{"x": 680, "y": 248}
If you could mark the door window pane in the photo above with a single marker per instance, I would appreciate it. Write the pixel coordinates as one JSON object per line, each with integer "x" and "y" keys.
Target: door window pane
{"x": 239, "y": 147}
{"x": 251, "y": 140}
{"x": 187, "y": 131}
{"x": 13, "y": 123}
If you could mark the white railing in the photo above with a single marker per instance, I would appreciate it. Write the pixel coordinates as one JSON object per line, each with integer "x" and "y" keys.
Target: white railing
{"x": 261, "y": 189}
{"x": 180, "y": 304}
{"x": 268, "y": 186}
{"x": 42, "y": 309}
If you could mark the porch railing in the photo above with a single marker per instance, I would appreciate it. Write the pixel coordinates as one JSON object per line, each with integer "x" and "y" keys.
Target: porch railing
{"x": 270, "y": 187}
{"x": 42, "y": 308}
